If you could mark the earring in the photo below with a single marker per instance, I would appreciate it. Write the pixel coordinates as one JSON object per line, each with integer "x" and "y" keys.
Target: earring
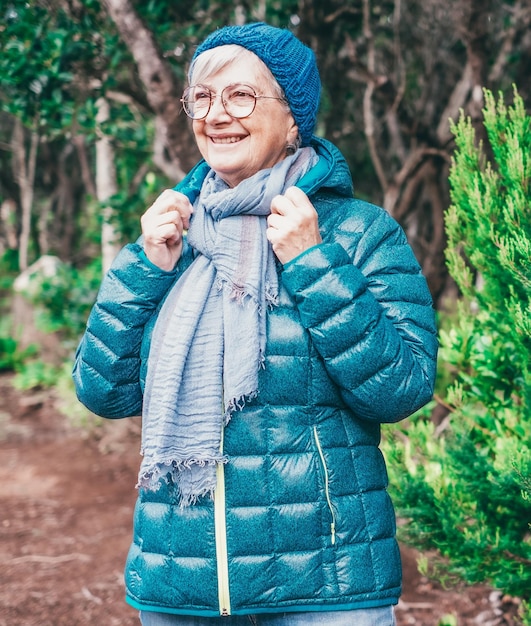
{"x": 291, "y": 148}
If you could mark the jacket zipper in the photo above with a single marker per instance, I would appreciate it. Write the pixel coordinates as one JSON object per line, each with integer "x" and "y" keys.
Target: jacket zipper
{"x": 327, "y": 487}
{"x": 221, "y": 539}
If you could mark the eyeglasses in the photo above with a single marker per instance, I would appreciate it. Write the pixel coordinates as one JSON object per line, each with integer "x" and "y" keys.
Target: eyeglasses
{"x": 238, "y": 100}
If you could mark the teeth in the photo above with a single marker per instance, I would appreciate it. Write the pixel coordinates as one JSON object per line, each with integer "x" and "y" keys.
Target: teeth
{"x": 225, "y": 139}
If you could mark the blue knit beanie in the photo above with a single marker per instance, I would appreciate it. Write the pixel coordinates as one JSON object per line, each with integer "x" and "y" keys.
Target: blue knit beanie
{"x": 291, "y": 62}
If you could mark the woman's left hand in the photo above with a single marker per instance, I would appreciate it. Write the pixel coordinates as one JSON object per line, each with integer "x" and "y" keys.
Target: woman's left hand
{"x": 292, "y": 225}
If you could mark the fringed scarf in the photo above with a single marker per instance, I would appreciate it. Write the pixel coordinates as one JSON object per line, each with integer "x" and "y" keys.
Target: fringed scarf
{"x": 209, "y": 339}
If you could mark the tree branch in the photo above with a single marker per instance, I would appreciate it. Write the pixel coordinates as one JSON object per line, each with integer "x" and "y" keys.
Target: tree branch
{"x": 163, "y": 89}
{"x": 411, "y": 166}
{"x": 456, "y": 101}
{"x": 368, "y": 115}
{"x": 520, "y": 23}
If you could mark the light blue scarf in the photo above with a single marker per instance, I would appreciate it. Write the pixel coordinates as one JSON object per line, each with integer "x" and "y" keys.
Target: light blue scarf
{"x": 209, "y": 339}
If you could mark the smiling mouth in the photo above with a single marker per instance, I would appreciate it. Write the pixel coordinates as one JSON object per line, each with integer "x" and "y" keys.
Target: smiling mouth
{"x": 225, "y": 140}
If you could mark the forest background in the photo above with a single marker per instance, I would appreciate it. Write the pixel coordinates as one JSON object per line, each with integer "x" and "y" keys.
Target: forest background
{"x": 91, "y": 130}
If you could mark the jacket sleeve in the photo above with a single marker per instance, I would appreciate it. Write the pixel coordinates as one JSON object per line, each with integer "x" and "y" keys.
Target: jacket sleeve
{"x": 363, "y": 299}
{"x": 107, "y": 363}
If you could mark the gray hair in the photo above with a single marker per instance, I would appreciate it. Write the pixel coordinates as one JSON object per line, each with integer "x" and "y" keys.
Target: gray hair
{"x": 212, "y": 61}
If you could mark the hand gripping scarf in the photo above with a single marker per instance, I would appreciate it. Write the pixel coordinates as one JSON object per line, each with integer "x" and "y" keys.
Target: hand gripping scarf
{"x": 209, "y": 339}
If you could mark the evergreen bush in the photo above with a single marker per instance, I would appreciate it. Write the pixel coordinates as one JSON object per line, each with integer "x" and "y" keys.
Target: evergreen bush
{"x": 463, "y": 485}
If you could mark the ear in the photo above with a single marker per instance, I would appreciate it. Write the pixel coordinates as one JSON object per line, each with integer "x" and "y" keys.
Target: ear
{"x": 293, "y": 133}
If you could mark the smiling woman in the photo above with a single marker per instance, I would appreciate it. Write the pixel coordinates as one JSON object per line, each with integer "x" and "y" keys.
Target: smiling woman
{"x": 265, "y": 324}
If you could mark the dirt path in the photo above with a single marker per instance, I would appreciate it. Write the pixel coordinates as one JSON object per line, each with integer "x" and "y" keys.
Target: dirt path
{"x": 65, "y": 523}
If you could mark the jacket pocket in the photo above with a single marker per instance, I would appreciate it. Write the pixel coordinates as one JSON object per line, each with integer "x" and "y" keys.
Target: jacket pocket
{"x": 327, "y": 486}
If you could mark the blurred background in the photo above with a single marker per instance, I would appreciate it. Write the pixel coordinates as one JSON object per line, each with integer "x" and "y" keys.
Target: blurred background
{"x": 429, "y": 102}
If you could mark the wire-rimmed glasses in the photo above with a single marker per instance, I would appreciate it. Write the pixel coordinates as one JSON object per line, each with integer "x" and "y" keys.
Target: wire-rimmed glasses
{"x": 238, "y": 100}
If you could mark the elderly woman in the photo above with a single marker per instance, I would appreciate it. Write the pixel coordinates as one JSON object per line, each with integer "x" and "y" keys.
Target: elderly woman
{"x": 265, "y": 325}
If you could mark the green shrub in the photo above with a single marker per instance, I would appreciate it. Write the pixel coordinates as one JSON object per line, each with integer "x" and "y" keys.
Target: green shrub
{"x": 63, "y": 301}
{"x": 11, "y": 356}
{"x": 463, "y": 485}
{"x": 35, "y": 374}
{"x": 8, "y": 353}
{"x": 61, "y": 304}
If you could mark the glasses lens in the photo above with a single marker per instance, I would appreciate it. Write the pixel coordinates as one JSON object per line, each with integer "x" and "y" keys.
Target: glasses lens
{"x": 239, "y": 100}
{"x": 196, "y": 101}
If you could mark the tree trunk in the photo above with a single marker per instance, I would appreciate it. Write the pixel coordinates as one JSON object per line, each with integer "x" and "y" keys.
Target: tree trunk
{"x": 475, "y": 29}
{"x": 163, "y": 89}
{"x": 106, "y": 186}
{"x": 24, "y": 166}
{"x": 8, "y": 230}
{"x": 80, "y": 144}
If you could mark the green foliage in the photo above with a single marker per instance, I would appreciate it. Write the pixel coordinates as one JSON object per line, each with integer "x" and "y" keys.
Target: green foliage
{"x": 8, "y": 353}
{"x": 11, "y": 356}
{"x": 489, "y": 226}
{"x": 525, "y": 613}
{"x": 36, "y": 374}
{"x": 8, "y": 348}
{"x": 61, "y": 304}
{"x": 448, "y": 620}
{"x": 134, "y": 196}
{"x": 64, "y": 300}
{"x": 464, "y": 499}
{"x": 57, "y": 61}
{"x": 42, "y": 53}
{"x": 463, "y": 485}
{"x": 8, "y": 269}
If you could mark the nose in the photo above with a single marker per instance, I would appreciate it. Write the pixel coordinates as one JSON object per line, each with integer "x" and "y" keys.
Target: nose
{"x": 217, "y": 109}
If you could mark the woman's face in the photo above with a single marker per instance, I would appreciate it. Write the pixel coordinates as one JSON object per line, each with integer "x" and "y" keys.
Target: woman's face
{"x": 238, "y": 148}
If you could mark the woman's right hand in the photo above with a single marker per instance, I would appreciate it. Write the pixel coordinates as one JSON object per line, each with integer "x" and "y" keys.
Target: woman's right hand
{"x": 162, "y": 227}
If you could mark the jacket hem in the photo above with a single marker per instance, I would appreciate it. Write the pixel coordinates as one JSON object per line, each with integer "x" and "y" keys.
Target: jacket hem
{"x": 299, "y": 608}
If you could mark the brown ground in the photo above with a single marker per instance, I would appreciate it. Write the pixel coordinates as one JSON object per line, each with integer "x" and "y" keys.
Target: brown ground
{"x": 65, "y": 522}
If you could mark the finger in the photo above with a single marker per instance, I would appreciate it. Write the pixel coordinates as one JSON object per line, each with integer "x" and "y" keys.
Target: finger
{"x": 296, "y": 195}
{"x": 160, "y": 228}
{"x": 274, "y": 221}
{"x": 281, "y": 205}
{"x": 185, "y": 209}
{"x": 154, "y": 221}
{"x": 273, "y": 236}
{"x": 293, "y": 199}
{"x": 171, "y": 217}
{"x": 169, "y": 233}
{"x": 299, "y": 199}
{"x": 164, "y": 202}
{"x": 170, "y": 200}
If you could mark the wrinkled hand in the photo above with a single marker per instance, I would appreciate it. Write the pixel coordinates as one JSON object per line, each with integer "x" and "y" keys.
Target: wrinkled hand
{"x": 162, "y": 226}
{"x": 292, "y": 225}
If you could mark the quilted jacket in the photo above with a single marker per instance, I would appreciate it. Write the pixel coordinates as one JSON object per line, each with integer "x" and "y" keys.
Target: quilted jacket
{"x": 301, "y": 519}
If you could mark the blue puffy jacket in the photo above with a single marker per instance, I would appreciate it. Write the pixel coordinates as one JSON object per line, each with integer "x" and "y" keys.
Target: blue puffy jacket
{"x": 301, "y": 518}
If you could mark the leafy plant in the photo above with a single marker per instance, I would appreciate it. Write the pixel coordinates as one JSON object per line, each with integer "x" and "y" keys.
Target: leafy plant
{"x": 461, "y": 484}
{"x": 35, "y": 374}
{"x": 11, "y": 356}
{"x": 8, "y": 353}
{"x": 64, "y": 300}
